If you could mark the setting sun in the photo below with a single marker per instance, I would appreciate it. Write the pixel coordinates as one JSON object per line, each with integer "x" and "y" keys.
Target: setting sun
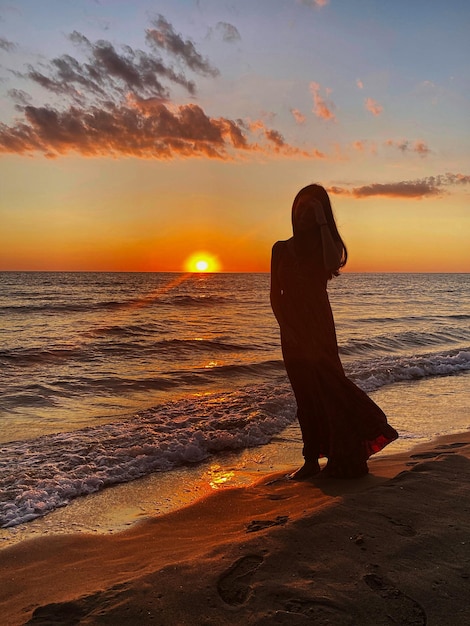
{"x": 202, "y": 262}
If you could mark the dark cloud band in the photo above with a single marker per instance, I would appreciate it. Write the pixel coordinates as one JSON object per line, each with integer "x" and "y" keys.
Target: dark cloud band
{"x": 425, "y": 187}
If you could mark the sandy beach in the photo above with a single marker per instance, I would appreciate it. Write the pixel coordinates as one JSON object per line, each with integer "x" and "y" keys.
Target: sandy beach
{"x": 390, "y": 548}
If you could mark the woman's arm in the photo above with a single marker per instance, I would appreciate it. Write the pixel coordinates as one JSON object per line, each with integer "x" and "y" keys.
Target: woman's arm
{"x": 275, "y": 291}
{"x": 287, "y": 333}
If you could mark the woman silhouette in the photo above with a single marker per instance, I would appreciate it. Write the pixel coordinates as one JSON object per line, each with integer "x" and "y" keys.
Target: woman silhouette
{"x": 337, "y": 419}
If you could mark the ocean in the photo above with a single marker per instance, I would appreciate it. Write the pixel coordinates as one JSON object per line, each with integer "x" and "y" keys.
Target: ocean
{"x": 111, "y": 377}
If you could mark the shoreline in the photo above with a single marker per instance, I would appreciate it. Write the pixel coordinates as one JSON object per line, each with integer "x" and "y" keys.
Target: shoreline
{"x": 394, "y": 543}
{"x": 121, "y": 506}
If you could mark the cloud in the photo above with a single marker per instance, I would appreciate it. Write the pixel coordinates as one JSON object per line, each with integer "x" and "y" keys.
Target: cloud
{"x": 6, "y": 45}
{"x": 359, "y": 84}
{"x": 143, "y": 129}
{"x": 116, "y": 101}
{"x": 107, "y": 74}
{"x": 19, "y": 96}
{"x": 228, "y": 32}
{"x": 415, "y": 189}
{"x": 314, "y": 3}
{"x": 277, "y": 143}
{"x": 298, "y": 116}
{"x": 365, "y": 146}
{"x": 164, "y": 37}
{"x": 360, "y": 146}
{"x": 321, "y": 108}
{"x": 419, "y": 146}
{"x": 373, "y": 106}
{"x": 406, "y": 189}
{"x": 279, "y": 146}
{"x": 275, "y": 137}
{"x": 140, "y": 128}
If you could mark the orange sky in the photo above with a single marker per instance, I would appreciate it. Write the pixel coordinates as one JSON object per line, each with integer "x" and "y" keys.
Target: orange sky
{"x": 130, "y": 140}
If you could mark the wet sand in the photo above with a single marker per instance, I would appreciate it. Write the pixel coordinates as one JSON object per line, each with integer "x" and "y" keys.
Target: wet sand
{"x": 390, "y": 548}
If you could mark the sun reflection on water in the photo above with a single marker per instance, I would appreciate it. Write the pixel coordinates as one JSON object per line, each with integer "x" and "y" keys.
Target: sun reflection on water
{"x": 219, "y": 476}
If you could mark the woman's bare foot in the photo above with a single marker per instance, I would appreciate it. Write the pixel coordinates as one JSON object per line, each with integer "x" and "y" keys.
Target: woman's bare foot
{"x": 308, "y": 470}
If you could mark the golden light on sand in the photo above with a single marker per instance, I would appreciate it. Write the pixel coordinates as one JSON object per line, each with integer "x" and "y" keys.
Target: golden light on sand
{"x": 202, "y": 262}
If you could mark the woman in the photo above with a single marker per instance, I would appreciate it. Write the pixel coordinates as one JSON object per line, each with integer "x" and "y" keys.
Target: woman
{"x": 337, "y": 419}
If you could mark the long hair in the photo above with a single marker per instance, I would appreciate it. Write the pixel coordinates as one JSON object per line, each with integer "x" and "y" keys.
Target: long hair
{"x": 319, "y": 193}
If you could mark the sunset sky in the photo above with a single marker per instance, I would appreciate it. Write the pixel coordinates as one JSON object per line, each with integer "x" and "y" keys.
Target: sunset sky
{"x": 135, "y": 134}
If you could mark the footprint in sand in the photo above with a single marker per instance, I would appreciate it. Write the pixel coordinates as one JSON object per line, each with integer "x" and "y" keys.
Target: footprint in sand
{"x": 233, "y": 586}
{"x": 401, "y": 528}
{"x": 257, "y": 524}
{"x": 58, "y": 613}
{"x": 442, "y": 450}
{"x": 426, "y": 455}
{"x": 400, "y": 608}
{"x": 321, "y": 610}
{"x": 455, "y": 444}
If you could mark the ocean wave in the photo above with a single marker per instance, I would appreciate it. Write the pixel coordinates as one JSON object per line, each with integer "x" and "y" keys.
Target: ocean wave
{"x": 375, "y": 373}
{"x": 32, "y": 397}
{"x": 411, "y": 318}
{"x": 41, "y": 356}
{"x": 399, "y": 341}
{"x": 127, "y": 330}
{"x": 204, "y": 345}
{"x": 39, "y": 475}
{"x": 62, "y": 307}
{"x": 131, "y": 342}
{"x": 68, "y": 386}
{"x": 259, "y": 368}
{"x": 202, "y": 300}
{"x": 154, "y": 298}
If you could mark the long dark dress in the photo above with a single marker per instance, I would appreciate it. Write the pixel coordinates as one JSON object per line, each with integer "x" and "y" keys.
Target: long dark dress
{"x": 337, "y": 419}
